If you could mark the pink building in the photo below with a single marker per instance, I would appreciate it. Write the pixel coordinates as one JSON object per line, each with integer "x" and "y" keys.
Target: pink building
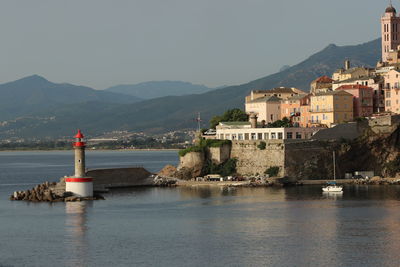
{"x": 362, "y": 99}
{"x": 390, "y": 32}
{"x": 392, "y": 88}
{"x": 375, "y": 82}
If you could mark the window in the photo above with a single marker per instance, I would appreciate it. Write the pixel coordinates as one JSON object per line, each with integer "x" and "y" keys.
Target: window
{"x": 298, "y": 135}
{"x": 234, "y": 137}
{"x": 387, "y": 103}
{"x": 280, "y": 135}
{"x": 266, "y": 136}
{"x": 272, "y": 117}
{"x": 246, "y": 136}
{"x": 388, "y": 94}
{"x": 240, "y": 136}
{"x": 228, "y": 136}
{"x": 345, "y": 115}
{"x": 259, "y": 136}
{"x": 289, "y": 135}
{"x": 273, "y": 135}
{"x": 221, "y": 136}
{"x": 253, "y": 136}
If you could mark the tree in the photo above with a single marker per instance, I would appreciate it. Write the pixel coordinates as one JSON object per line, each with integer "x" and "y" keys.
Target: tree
{"x": 229, "y": 115}
{"x": 285, "y": 123}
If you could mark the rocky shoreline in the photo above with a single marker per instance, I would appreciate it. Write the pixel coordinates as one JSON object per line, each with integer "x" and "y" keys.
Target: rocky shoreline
{"x": 50, "y": 192}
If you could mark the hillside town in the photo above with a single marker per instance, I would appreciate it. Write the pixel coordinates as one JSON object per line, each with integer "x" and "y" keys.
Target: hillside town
{"x": 350, "y": 94}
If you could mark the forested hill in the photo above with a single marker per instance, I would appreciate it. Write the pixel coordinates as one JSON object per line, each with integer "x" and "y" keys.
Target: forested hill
{"x": 175, "y": 112}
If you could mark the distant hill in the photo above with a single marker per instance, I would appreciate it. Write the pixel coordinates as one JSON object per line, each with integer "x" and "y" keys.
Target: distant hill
{"x": 156, "y": 89}
{"x": 31, "y": 94}
{"x": 175, "y": 112}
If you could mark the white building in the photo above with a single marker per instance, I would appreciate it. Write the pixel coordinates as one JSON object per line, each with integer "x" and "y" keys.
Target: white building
{"x": 243, "y": 131}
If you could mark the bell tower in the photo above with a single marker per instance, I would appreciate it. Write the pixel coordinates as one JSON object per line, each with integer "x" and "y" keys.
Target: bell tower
{"x": 390, "y": 27}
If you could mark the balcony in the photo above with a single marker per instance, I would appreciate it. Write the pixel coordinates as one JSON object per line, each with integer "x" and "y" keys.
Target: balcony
{"x": 321, "y": 110}
{"x": 315, "y": 121}
{"x": 397, "y": 87}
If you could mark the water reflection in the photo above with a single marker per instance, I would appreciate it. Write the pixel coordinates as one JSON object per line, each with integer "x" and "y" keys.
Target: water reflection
{"x": 333, "y": 195}
{"x": 76, "y": 239}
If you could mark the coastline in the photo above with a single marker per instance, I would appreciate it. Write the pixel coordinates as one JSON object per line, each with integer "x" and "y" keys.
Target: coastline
{"x": 59, "y": 150}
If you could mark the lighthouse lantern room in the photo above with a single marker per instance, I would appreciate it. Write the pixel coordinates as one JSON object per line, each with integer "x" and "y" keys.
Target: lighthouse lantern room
{"x": 79, "y": 184}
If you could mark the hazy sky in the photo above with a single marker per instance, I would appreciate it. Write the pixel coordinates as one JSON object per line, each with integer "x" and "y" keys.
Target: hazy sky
{"x": 100, "y": 43}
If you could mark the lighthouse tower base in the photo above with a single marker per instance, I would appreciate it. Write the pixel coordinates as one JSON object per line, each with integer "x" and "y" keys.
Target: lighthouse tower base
{"x": 81, "y": 187}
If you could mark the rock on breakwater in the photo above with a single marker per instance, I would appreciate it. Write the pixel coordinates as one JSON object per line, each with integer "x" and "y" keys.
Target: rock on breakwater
{"x": 49, "y": 192}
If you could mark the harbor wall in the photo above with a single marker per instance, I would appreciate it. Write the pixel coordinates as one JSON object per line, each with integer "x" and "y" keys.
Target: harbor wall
{"x": 252, "y": 160}
{"x": 120, "y": 177}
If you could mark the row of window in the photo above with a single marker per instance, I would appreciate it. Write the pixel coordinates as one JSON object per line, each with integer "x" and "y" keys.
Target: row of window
{"x": 386, "y": 27}
{"x": 326, "y": 117}
{"x": 394, "y": 37}
{"x": 260, "y": 136}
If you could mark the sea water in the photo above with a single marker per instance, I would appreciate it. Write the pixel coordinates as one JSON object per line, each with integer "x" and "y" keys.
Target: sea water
{"x": 191, "y": 226}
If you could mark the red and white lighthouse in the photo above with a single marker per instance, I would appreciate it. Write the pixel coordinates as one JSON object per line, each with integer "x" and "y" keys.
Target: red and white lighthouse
{"x": 79, "y": 184}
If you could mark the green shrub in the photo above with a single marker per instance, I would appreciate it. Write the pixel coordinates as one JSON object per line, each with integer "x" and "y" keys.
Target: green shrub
{"x": 262, "y": 145}
{"x": 224, "y": 169}
{"x": 204, "y": 144}
{"x": 272, "y": 171}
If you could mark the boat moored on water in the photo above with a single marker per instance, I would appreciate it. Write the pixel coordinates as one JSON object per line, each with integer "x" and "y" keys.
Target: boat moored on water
{"x": 332, "y": 186}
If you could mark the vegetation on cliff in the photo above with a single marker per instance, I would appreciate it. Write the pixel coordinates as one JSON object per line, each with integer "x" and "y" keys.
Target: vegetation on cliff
{"x": 272, "y": 171}
{"x": 262, "y": 145}
{"x": 202, "y": 145}
{"x": 229, "y": 115}
{"x": 224, "y": 169}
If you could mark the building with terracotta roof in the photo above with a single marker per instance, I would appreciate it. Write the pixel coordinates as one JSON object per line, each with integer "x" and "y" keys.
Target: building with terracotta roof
{"x": 362, "y": 99}
{"x": 321, "y": 84}
{"x": 375, "y": 82}
{"x": 296, "y": 108}
{"x": 331, "y": 108}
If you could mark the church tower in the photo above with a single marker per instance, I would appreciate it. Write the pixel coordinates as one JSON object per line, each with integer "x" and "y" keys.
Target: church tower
{"x": 390, "y": 25}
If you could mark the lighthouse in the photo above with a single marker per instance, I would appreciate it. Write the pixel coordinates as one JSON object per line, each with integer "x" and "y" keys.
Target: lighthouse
{"x": 79, "y": 184}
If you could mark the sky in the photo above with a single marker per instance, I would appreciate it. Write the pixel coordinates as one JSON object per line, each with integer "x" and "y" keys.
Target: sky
{"x": 101, "y": 43}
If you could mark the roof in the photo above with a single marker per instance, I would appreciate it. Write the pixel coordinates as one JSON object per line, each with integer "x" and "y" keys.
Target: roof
{"x": 271, "y": 98}
{"x": 298, "y": 97}
{"x": 390, "y": 9}
{"x": 79, "y": 134}
{"x": 278, "y": 90}
{"x": 323, "y": 79}
{"x": 356, "y": 79}
{"x": 235, "y": 123}
{"x": 332, "y": 93}
{"x": 351, "y": 70}
{"x": 353, "y": 86}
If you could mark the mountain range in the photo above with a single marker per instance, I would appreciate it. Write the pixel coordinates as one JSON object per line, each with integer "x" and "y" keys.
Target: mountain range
{"x": 155, "y": 89}
{"x": 176, "y": 112}
{"x": 30, "y": 94}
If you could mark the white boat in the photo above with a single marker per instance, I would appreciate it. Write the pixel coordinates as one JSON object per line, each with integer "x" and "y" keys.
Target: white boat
{"x": 332, "y": 186}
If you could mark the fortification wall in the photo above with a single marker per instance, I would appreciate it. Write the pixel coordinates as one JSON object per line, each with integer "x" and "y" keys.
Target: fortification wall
{"x": 221, "y": 154}
{"x": 120, "y": 177}
{"x": 193, "y": 162}
{"x": 384, "y": 124}
{"x": 251, "y": 160}
{"x": 308, "y": 160}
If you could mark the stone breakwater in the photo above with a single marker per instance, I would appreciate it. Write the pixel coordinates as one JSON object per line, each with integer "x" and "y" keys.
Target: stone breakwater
{"x": 50, "y": 192}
